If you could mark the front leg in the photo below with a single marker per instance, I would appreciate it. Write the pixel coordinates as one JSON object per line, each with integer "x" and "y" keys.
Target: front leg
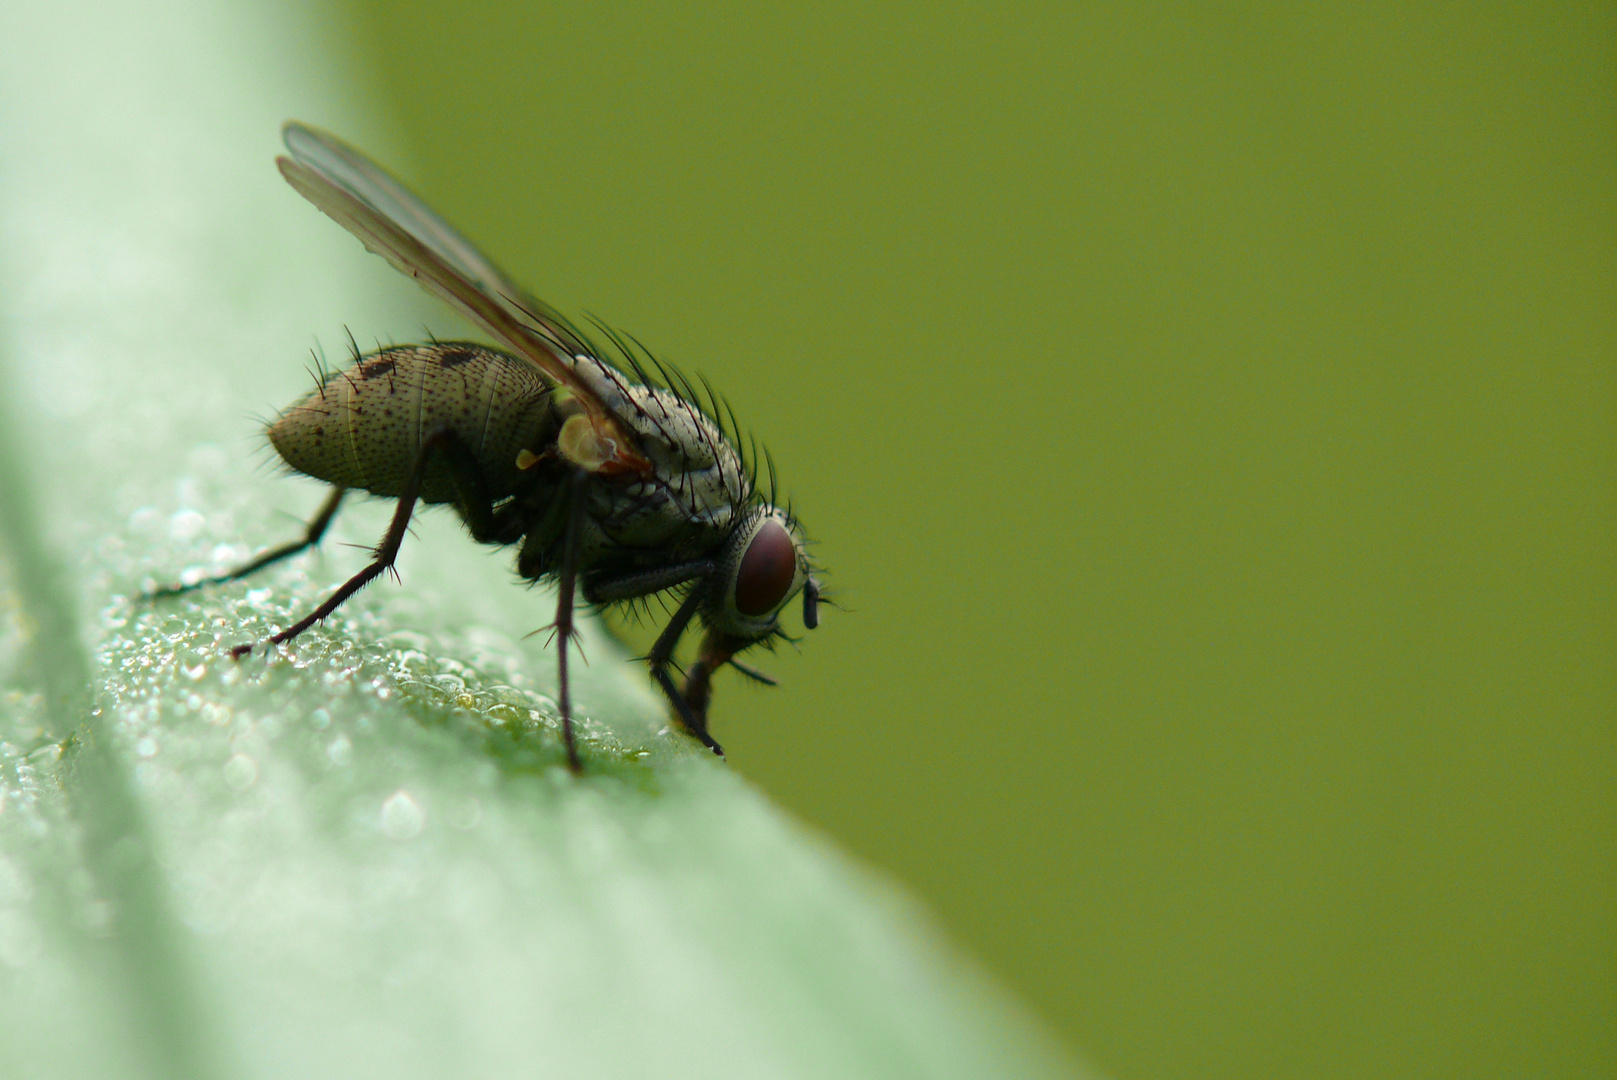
{"x": 717, "y": 650}
{"x": 694, "y": 718}
{"x": 704, "y": 573}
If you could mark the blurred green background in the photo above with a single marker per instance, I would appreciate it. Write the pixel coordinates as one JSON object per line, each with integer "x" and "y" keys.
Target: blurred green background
{"x": 1207, "y": 417}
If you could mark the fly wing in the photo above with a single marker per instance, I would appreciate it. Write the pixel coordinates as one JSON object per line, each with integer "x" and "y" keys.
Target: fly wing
{"x": 392, "y": 222}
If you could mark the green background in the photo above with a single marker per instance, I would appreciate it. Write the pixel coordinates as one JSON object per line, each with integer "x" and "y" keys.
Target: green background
{"x": 1207, "y": 418}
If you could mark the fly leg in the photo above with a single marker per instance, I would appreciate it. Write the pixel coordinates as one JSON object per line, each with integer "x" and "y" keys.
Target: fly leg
{"x": 311, "y": 536}
{"x": 566, "y": 585}
{"x": 561, "y": 524}
{"x": 717, "y": 650}
{"x": 693, "y": 714}
{"x": 467, "y": 485}
{"x": 702, "y": 572}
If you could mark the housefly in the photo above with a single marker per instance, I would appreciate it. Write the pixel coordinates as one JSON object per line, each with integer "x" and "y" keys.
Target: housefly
{"x": 615, "y": 487}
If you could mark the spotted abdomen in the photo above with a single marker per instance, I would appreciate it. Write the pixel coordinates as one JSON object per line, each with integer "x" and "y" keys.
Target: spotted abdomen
{"x": 361, "y": 428}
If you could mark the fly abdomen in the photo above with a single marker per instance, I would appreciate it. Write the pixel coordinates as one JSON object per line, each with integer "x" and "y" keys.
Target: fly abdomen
{"x": 362, "y": 427}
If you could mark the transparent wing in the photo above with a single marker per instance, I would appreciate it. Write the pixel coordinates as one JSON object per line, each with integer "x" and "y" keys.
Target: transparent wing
{"x": 391, "y": 221}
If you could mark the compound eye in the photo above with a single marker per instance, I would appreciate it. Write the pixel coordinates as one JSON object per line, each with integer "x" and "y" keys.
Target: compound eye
{"x": 767, "y": 572}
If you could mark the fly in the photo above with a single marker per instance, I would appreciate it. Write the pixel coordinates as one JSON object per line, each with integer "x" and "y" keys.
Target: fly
{"x": 612, "y": 487}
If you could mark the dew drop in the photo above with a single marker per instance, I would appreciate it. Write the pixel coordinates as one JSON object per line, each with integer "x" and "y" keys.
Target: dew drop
{"x": 240, "y": 772}
{"x": 14, "y": 887}
{"x": 185, "y": 524}
{"x": 402, "y": 816}
{"x": 20, "y": 943}
{"x": 467, "y": 814}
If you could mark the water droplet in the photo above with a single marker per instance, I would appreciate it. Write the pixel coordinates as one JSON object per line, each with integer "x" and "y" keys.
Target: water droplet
{"x": 98, "y": 916}
{"x": 240, "y": 772}
{"x": 146, "y": 747}
{"x": 185, "y": 524}
{"x": 20, "y": 943}
{"x": 341, "y": 751}
{"x": 402, "y": 816}
{"x": 467, "y": 814}
{"x": 14, "y": 887}
{"x": 320, "y": 719}
{"x": 208, "y": 458}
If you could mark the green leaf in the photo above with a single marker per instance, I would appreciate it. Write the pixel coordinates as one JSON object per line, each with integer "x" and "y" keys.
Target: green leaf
{"x": 360, "y": 856}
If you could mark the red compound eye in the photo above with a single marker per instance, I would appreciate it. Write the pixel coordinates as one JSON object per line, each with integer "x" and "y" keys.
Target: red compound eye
{"x": 767, "y": 570}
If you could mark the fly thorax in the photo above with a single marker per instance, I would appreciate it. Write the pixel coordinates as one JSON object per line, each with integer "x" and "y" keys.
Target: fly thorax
{"x": 696, "y": 486}
{"x": 693, "y": 464}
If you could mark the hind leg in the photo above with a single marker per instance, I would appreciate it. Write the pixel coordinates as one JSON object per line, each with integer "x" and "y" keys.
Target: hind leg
{"x": 477, "y": 513}
{"x": 312, "y": 532}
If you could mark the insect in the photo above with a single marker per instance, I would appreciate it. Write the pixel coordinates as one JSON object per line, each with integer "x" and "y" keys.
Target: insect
{"x": 613, "y": 487}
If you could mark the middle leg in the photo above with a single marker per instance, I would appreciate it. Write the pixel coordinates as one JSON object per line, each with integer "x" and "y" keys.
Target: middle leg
{"x": 563, "y": 625}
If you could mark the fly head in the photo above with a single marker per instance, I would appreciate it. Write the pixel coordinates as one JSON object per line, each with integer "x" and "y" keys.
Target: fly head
{"x": 764, "y": 565}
